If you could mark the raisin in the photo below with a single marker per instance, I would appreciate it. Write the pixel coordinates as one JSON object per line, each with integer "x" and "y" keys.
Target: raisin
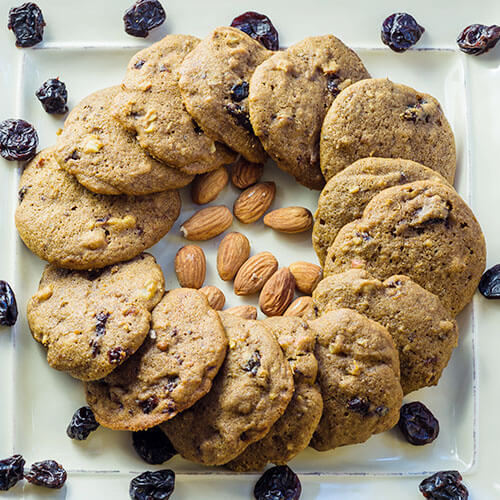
{"x": 489, "y": 285}
{"x": 143, "y": 16}
{"x": 400, "y": 31}
{"x": 239, "y": 91}
{"x": 18, "y": 140}
{"x": 27, "y": 23}
{"x": 259, "y": 27}
{"x": 239, "y": 115}
{"x": 477, "y": 39}
{"x": 117, "y": 355}
{"x": 444, "y": 485}
{"x": 8, "y": 305}
{"x": 253, "y": 364}
{"x": 153, "y": 446}
{"x": 139, "y": 64}
{"x": 100, "y": 323}
{"x": 47, "y": 473}
{"x": 278, "y": 483}
{"x": 82, "y": 423}
{"x": 53, "y": 96}
{"x": 11, "y": 471}
{"x": 332, "y": 83}
{"x": 148, "y": 405}
{"x": 417, "y": 423}
{"x": 157, "y": 485}
{"x": 360, "y": 406}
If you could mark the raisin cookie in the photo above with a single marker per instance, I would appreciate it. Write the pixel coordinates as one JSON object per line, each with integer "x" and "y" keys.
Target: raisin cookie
{"x": 214, "y": 81}
{"x": 172, "y": 370}
{"x": 250, "y": 393}
{"x": 346, "y": 194}
{"x": 92, "y": 321}
{"x": 423, "y": 230}
{"x": 359, "y": 379}
{"x": 63, "y": 223}
{"x": 423, "y": 330}
{"x": 106, "y": 158}
{"x": 377, "y": 117}
{"x": 290, "y": 94}
{"x": 150, "y": 105}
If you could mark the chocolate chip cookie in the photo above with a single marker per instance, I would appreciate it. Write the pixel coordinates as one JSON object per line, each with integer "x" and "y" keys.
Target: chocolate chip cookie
{"x": 290, "y": 94}
{"x": 172, "y": 370}
{"x": 92, "y": 321}
{"x": 358, "y": 376}
{"x": 64, "y": 223}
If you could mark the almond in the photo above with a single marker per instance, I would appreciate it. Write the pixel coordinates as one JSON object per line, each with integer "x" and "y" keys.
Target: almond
{"x": 233, "y": 251}
{"x": 254, "y": 273}
{"x": 206, "y": 187}
{"x": 245, "y": 312}
{"x": 289, "y": 220}
{"x": 299, "y": 306}
{"x": 307, "y": 276}
{"x": 207, "y": 223}
{"x": 252, "y": 203}
{"x": 245, "y": 173}
{"x": 277, "y": 293}
{"x": 215, "y": 297}
{"x": 190, "y": 266}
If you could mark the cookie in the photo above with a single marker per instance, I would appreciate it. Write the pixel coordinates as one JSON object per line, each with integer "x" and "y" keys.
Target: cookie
{"x": 172, "y": 370}
{"x": 290, "y": 94}
{"x": 63, "y": 223}
{"x": 346, "y": 194}
{"x": 377, "y": 117}
{"x": 359, "y": 379}
{"x": 250, "y": 393}
{"x": 92, "y": 321}
{"x": 214, "y": 81}
{"x": 423, "y": 330}
{"x": 106, "y": 158}
{"x": 423, "y": 230}
{"x": 149, "y": 104}
{"x": 294, "y": 429}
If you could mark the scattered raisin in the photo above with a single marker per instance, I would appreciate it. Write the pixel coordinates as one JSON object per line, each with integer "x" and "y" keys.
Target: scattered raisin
{"x": 47, "y": 473}
{"x": 400, "y": 31}
{"x": 239, "y": 91}
{"x": 259, "y": 27}
{"x": 8, "y": 305}
{"x": 11, "y": 471}
{"x": 157, "y": 485}
{"x": 477, "y": 39}
{"x": 18, "y": 140}
{"x": 240, "y": 115}
{"x": 143, "y": 16}
{"x": 278, "y": 483}
{"x": 82, "y": 424}
{"x": 444, "y": 485}
{"x": 53, "y": 96}
{"x": 153, "y": 446}
{"x": 27, "y": 23}
{"x": 417, "y": 423}
{"x": 489, "y": 285}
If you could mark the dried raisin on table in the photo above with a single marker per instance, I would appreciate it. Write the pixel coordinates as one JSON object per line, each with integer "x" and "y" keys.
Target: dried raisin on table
{"x": 82, "y": 423}
{"x": 143, "y": 16}
{"x": 400, "y": 31}
{"x": 278, "y": 483}
{"x": 478, "y": 39}
{"x": 47, "y": 473}
{"x": 417, "y": 423}
{"x": 8, "y": 305}
{"x": 11, "y": 471}
{"x": 18, "y": 140}
{"x": 259, "y": 27}
{"x": 153, "y": 446}
{"x": 27, "y": 23}
{"x": 444, "y": 485}
{"x": 157, "y": 485}
{"x": 53, "y": 96}
{"x": 489, "y": 285}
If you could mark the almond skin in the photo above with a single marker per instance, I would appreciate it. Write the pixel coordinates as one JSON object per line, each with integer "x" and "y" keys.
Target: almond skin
{"x": 289, "y": 220}
{"x": 207, "y": 223}
{"x": 233, "y": 251}
{"x": 245, "y": 312}
{"x": 245, "y": 174}
{"x": 254, "y": 273}
{"x": 307, "y": 276}
{"x": 252, "y": 203}
{"x": 190, "y": 266}
{"x": 215, "y": 296}
{"x": 299, "y": 306}
{"x": 277, "y": 293}
{"x": 206, "y": 187}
